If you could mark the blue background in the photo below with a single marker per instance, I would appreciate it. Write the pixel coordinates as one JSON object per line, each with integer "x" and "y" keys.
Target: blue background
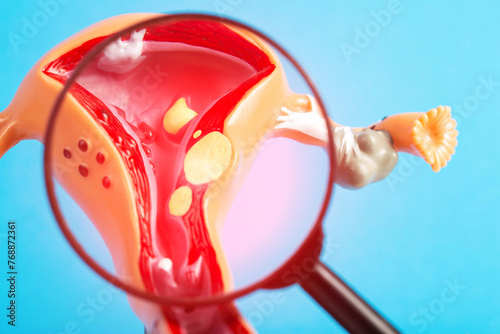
{"x": 400, "y": 242}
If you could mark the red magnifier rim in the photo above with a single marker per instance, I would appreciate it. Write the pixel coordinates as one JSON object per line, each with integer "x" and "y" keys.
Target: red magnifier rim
{"x": 186, "y": 301}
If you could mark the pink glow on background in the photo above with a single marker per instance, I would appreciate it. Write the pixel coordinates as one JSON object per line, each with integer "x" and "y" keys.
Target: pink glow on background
{"x": 275, "y": 209}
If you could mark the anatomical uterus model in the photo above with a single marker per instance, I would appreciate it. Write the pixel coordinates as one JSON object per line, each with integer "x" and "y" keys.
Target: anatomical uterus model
{"x": 158, "y": 120}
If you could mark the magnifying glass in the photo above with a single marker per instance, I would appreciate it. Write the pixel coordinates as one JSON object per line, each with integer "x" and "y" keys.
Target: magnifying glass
{"x": 179, "y": 169}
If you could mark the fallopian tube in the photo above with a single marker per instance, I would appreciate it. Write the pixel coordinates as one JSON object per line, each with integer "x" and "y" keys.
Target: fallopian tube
{"x": 158, "y": 120}
{"x": 366, "y": 155}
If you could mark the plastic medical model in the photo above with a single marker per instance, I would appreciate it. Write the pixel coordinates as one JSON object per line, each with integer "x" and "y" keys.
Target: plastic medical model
{"x": 142, "y": 178}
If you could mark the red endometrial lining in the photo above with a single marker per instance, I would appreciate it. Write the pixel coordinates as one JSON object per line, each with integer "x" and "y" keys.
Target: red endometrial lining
{"x": 211, "y": 67}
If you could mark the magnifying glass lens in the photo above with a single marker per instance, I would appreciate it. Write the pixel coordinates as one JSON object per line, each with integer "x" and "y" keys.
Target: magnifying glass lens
{"x": 187, "y": 155}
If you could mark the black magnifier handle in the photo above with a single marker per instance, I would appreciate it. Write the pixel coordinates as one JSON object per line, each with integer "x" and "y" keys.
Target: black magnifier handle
{"x": 343, "y": 303}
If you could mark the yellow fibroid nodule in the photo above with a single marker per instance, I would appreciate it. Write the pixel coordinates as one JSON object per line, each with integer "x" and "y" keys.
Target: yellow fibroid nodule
{"x": 177, "y": 116}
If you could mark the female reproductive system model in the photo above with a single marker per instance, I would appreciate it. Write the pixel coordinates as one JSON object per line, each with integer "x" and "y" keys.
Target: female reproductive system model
{"x": 142, "y": 168}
